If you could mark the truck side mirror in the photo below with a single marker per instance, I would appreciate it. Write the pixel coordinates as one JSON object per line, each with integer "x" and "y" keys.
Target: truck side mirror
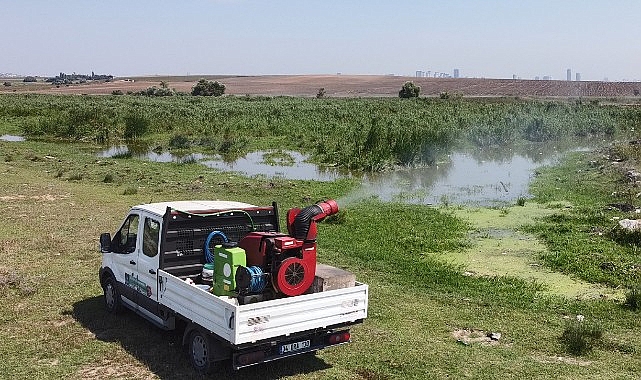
{"x": 105, "y": 242}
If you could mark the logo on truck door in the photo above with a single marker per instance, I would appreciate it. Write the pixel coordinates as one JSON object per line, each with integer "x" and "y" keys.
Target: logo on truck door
{"x": 135, "y": 283}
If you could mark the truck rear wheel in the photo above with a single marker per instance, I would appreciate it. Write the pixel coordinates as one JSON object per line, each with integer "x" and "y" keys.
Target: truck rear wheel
{"x": 200, "y": 352}
{"x": 112, "y": 296}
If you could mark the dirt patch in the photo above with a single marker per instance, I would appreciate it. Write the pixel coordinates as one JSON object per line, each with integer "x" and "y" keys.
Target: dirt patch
{"x": 12, "y": 279}
{"x": 41, "y": 198}
{"x": 113, "y": 369}
{"x": 562, "y": 359}
{"x": 473, "y": 336}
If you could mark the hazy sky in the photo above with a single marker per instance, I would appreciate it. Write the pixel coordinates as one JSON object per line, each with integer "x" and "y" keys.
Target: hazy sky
{"x": 490, "y": 38}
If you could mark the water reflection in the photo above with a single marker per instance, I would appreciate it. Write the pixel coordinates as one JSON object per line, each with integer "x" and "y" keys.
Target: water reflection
{"x": 471, "y": 176}
{"x": 12, "y": 138}
{"x": 297, "y": 167}
{"x": 483, "y": 177}
{"x": 143, "y": 152}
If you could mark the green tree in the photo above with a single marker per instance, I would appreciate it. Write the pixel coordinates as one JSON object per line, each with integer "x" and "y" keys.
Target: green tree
{"x": 409, "y": 90}
{"x": 208, "y": 88}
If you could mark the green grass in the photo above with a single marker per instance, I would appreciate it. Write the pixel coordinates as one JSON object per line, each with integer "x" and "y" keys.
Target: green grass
{"x": 53, "y": 324}
{"x": 579, "y": 237}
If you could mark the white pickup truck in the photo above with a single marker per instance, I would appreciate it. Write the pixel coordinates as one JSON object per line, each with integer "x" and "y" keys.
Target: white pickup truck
{"x": 255, "y": 309}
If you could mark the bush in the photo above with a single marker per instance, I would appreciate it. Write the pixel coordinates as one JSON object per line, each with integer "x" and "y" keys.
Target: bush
{"x": 155, "y": 91}
{"x": 130, "y": 191}
{"x": 180, "y": 141}
{"x": 30, "y": 79}
{"x": 7, "y": 84}
{"x": 208, "y": 88}
{"x": 409, "y": 90}
{"x": 633, "y": 298}
{"x": 136, "y": 126}
{"x": 321, "y": 93}
{"x": 117, "y": 92}
{"x": 580, "y": 336}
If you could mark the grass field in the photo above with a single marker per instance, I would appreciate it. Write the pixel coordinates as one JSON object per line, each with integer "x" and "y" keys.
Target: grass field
{"x": 430, "y": 312}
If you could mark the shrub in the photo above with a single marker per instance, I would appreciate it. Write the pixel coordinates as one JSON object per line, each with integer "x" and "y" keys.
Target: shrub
{"x": 109, "y": 178}
{"x": 130, "y": 191}
{"x": 520, "y": 201}
{"x": 75, "y": 177}
{"x": 208, "y": 88}
{"x": 321, "y": 93}
{"x": 30, "y": 79}
{"x": 580, "y": 336}
{"x": 179, "y": 141}
{"x": 409, "y": 90}
{"x": 444, "y": 95}
{"x": 633, "y": 298}
{"x": 7, "y": 84}
{"x": 155, "y": 91}
{"x": 117, "y": 92}
{"x": 136, "y": 125}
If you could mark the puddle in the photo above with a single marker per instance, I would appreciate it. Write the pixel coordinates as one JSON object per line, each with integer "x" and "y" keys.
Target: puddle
{"x": 123, "y": 151}
{"x": 293, "y": 166}
{"x": 12, "y": 138}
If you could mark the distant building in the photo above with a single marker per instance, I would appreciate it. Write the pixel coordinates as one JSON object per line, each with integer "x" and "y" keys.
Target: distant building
{"x": 456, "y": 73}
{"x": 420, "y": 74}
{"x": 578, "y": 77}
{"x": 569, "y": 72}
{"x": 547, "y": 77}
{"x": 536, "y": 78}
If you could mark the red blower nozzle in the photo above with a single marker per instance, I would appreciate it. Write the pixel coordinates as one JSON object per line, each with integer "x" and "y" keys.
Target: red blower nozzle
{"x": 329, "y": 207}
{"x": 301, "y": 224}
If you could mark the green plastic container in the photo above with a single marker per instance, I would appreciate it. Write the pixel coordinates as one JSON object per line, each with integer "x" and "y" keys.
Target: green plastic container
{"x": 226, "y": 263}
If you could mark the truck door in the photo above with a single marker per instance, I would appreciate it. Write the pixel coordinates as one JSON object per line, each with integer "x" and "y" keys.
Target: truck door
{"x": 124, "y": 247}
{"x": 148, "y": 263}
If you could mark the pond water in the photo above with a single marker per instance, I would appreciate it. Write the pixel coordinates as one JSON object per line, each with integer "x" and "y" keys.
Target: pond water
{"x": 143, "y": 152}
{"x": 12, "y": 138}
{"x": 297, "y": 168}
{"x": 462, "y": 179}
{"x": 466, "y": 176}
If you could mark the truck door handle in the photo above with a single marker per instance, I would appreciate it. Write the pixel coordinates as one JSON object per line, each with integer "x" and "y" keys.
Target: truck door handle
{"x": 151, "y": 271}
{"x": 132, "y": 262}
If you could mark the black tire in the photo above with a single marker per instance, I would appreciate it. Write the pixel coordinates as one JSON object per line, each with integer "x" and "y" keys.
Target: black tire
{"x": 112, "y": 296}
{"x": 200, "y": 352}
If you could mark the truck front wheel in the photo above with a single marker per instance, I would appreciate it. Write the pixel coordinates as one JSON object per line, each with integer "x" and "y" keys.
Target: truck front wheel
{"x": 112, "y": 296}
{"x": 200, "y": 351}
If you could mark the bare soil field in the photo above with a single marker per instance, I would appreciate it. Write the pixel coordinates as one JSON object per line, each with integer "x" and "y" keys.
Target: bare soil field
{"x": 348, "y": 86}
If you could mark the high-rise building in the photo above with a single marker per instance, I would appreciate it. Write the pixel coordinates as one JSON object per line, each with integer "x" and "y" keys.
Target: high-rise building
{"x": 419, "y": 74}
{"x": 578, "y": 77}
{"x": 456, "y": 73}
{"x": 569, "y": 75}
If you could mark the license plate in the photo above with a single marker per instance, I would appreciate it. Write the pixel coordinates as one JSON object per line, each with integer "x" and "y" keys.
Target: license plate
{"x": 296, "y": 346}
